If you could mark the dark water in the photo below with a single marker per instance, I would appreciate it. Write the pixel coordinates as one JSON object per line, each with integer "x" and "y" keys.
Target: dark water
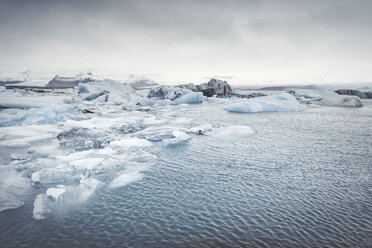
{"x": 302, "y": 180}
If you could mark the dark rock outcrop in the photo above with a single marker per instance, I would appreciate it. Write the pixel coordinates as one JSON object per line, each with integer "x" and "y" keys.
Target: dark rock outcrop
{"x": 192, "y": 87}
{"x": 358, "y": 93}
{"x": 215, "y": 87}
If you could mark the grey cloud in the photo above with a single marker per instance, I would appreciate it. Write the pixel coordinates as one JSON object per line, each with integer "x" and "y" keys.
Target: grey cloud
{"x": 191, "y": 34}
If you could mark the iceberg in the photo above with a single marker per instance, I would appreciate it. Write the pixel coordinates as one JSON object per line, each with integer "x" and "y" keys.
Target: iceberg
{"x": 61, "y": 82}
{"x": 341, "y": 101}
{"x": 274, "y": 103}
{"x": 328, "y": 98}
{"x": 111, "y": 91}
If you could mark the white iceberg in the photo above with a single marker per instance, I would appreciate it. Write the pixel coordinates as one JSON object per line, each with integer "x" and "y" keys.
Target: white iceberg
{"x": 274, "y": 103}
{"x": 327, "y": 98}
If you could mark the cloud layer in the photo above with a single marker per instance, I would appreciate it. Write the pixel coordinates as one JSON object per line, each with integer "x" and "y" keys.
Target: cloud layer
{"x": 258, "y": 40}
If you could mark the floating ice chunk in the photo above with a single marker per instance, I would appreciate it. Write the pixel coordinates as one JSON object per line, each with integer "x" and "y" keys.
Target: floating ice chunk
{"x": 166, "y": 92}
{"x": 131, "y": 143}
{"x": 232, "y": 132}
{"x": 87, "y": 187}
{"x": 10, "y": 203}
{"x": 111, "y": 91}
{"x": 44, "y": 115}
{"x": 47, "y": 149}
{"x": 100, "y": 123}
{"x": 81, "y": 139}
{"x": 75, "y": 155}
{"x": 12, "y": 188}
{"x": 53, "y": 175}
{"x": 125, "y": 179}
{"x": 156, "y": 133}
{"x": 25, "y": 142}
{"x": 45, "y": 203}
{"x": 274, "y": 103}
{"x": 27, "y": 131}
{"x": 17, "y": 156}
{"x": 86, "y": 163}
{"x": 342, "y": 101}
{"x": 55, "y": 192}
{"x": 12, "y": 100}
{"x": 179, "y": 138}
{"x": 152, "y": 121}
{"x": 328, "y": 98}
{"x": 201, "y": 129}
{"x": 190, "y": 98}
{"x": 41, "y": 207}
{"x": 182, "y": 121}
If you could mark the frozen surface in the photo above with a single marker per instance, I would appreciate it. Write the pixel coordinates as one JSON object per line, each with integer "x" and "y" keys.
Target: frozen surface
{"x": 110, "y": 167}
{"x": 275, "y": 103}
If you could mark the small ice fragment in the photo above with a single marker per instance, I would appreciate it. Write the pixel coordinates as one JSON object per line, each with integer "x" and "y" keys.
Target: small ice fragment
{"x": 131, "y": 143}
{"x": 86, "y": 163}
{"x": 125, "y": 179}
{"x": 179, "y": 138}
{"x": 55, "y": 192}
{"x": 232, "y": 132}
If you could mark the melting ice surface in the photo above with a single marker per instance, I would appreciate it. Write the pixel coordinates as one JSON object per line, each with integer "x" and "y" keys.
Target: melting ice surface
{"x": 138, "y": 172}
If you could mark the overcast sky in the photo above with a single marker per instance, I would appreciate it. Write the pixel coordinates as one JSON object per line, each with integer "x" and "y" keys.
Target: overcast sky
{"x": 258, "y": 40}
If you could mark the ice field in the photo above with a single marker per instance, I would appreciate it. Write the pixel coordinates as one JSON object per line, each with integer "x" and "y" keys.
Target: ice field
{"x": 104, "y": 165}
